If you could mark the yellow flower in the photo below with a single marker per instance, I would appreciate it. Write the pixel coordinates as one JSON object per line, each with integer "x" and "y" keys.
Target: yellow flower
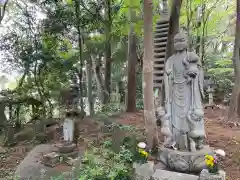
{"x": 209, "y": 157}
{"x": 209, "y": 162}
{"x": 143, "y": 153}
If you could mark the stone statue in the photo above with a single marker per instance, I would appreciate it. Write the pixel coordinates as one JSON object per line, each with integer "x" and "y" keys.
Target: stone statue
{"x": 182, "y": 118}
{"x": 183, "y": 91}
{"x": 196, "y": 134}
{"x": 165, "y": 127}
{"x": 68, "y": 128}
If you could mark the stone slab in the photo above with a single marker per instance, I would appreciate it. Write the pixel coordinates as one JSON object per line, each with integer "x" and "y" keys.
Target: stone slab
{"x": 169, "y": 175}
{"x": 205, "y": 175}
{"x": 184, "y": 161}
{"x": 31, "y": 168}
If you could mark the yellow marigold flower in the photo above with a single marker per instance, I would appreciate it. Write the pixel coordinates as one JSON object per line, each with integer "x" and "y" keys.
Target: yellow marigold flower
{"x": 143, "y": 153}
{"x": 209, "y": 157}
{"x": 209, "y": 162}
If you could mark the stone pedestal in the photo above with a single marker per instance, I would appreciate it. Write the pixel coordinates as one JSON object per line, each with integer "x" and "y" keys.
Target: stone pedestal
{"x": 66, "y": 147}
{"x": 182, "y": 161}
{"x": 143, "y": 171}
{"x": 169, "y": 175}
{"x": 51, "y": 159}
{"x": 205, "y": 175}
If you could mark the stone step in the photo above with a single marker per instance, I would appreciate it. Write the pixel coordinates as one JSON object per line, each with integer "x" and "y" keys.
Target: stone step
{"x": 158, "y": 65}
{"x": 159, "y": 49}
{"x": 157, "y": 85}
{"x": 160, "y": 38}
{"x": 160, "y": 34}
{"x": 158, "y": 72}
{"x": 162, "y": 22}
{"x": 157, "y": 59}
{"x": 157, "y": 78}
{"x": 160, "y": 174}
{"x": 161, "y": 44}
{"x": 162, "y": 25}
{"x": 160, "y": 30}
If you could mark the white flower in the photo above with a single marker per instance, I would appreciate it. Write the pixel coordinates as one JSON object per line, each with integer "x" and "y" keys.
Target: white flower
{"x": 142, "y": 145}
{"x": 220, "y": 152}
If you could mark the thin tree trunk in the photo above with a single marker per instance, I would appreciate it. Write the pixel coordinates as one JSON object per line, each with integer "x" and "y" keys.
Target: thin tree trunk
{"x": 132, "y": 60}
{"x": 89, "y": 90}
{"x": 80, "y": 46}
{"x": 99, "y": 79}
{"x": 173, "y": 26}
{"x": 108, "y": 61}
{"x": 234, "y": 108}
{"x": 149, "y": 112}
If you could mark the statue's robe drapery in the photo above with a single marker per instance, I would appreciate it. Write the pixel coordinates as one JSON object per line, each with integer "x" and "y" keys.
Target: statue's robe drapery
{"x": 179, "y": 94}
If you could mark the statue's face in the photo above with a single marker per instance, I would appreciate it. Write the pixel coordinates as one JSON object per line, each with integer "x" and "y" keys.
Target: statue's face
{"x": 180, "y": 43}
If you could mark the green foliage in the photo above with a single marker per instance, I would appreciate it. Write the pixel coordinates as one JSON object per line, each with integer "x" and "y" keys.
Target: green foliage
{"x": 103, "y": 163}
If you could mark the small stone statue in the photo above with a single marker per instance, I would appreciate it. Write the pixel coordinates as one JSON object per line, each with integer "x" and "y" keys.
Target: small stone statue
{"x": 165, "y": 127}
{"x": 196, "y": 135}
{"x": 68, "y": 129}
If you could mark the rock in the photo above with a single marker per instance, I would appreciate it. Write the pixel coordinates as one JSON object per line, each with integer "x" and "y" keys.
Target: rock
{"x": 2, "y": 150}
{"x": 169, "y": 175}
{"x": 51, "y": 159}
{"x": 205, "y": 175}
{"x": 143, "y": 171}
{"x": 30, "y": 167}
{"x": 66, "y": 148}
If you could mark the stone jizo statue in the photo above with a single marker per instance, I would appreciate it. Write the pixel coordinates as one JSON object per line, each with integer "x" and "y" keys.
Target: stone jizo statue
{"x": 68, "y": 129}
{"x": 183, "y": 80}
{"x": 165, "y": 127}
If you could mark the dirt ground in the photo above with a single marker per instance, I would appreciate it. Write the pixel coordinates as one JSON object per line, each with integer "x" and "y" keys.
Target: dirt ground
{"x": 219, "y": 135}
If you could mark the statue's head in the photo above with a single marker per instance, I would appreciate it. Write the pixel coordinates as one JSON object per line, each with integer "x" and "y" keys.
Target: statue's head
{"x": 180, "y": 42}
{"x": 161, "y": 111}
{"x": 197, "y": 115}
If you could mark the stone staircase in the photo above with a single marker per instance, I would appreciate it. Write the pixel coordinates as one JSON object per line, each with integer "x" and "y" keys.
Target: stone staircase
{"x": 160, "y": 46}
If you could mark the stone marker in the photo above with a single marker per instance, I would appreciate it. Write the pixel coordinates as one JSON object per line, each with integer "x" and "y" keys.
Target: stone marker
{"x": 143, "y": 171}
{"x": 51, "y": 159}
{"x": 205, "y": 175}
{"x": 118, "y": 137}
{"x": 170, "y": 175}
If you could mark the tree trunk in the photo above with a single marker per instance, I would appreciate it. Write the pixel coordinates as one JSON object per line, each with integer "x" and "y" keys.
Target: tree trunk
{"x": 108, "y": 61}
{"x": 149, "y": 112}
{"x": 172, "y": 31}
{"x": 80, "y": 46}
{"x": 234, "y": 108}
{"x": 89, "y": 90}
{"x": 99, "y": 79}
{"x": 132, "y": 60}
{"x": 173, "y": 26}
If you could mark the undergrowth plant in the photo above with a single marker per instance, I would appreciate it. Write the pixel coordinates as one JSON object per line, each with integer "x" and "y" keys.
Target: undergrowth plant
{"x": 102, "y": 163}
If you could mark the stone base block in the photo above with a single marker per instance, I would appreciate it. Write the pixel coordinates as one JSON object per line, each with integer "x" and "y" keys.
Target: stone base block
{"x": 205, "y": 175}
{"x": 169, "y": 175}
{"x": 66, "y": 147}
{"x": 51, "y": 159}
{"x": 143, "y": 171}
{"x": 183, "y": 161}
